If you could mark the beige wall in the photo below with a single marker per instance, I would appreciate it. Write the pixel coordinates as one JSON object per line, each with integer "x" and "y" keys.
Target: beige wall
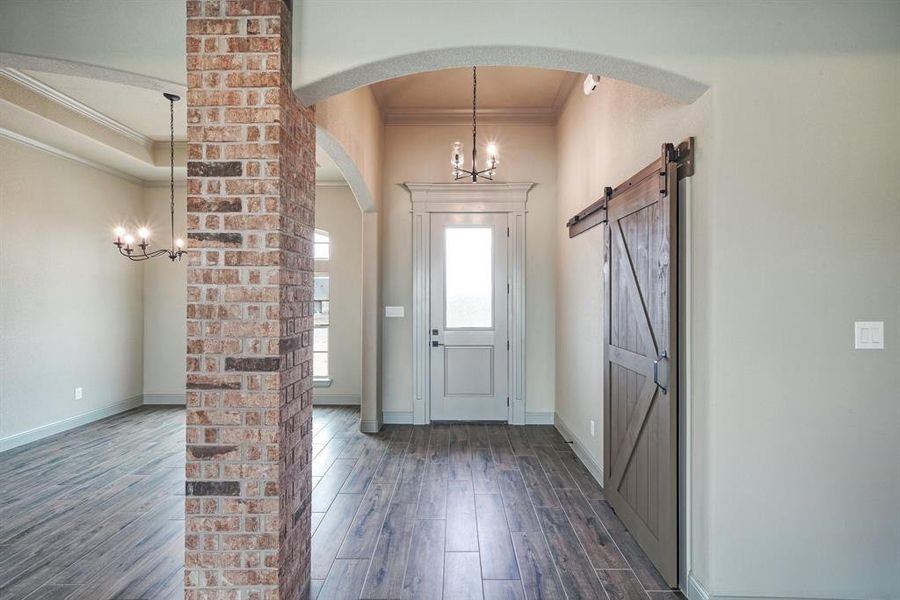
{"x": 338, "y": 213}
{"x": 165, "y": 289}
{"x": 602, "y": 140}
{"x": 417, "y": 153}
{"x": 70, "y": 306}
{"x": 349, "y": 128}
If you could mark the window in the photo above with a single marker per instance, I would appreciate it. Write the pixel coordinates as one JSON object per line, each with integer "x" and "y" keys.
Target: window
{"x": 320, "y": 325}
{"x": 321, "y": 301}
{"x": 322, "y": 244}
{"x": 469, "y": 283}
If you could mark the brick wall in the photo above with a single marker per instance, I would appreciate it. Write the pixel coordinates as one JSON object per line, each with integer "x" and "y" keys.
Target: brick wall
{"x": 251, "y": 182}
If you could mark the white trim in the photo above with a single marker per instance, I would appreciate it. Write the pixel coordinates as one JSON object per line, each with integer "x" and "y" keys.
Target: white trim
{"x": 38, "y": 433}
{"x": 74, "y": 105}
{"x": 594, "y": 467}
{"x": 164, "y": 399}
{"x": 695, "y": 589}
{"x": 331, "y": 184}
{"x": 539, "y": 418}
{"x": 397, "y": 417}
{"x": 467, "y": 197}
{"x": 335, "y": 399}
{"x": 322, "y": 382}
{"x": 27, "y": 141}
{"x": 451, "y": 116}
{"x": 369, "y": 426}
{"x": 686, "y": 392}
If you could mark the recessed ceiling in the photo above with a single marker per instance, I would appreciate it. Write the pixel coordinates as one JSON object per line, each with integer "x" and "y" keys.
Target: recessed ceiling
{"x": 498, "y": 88}
{"x": 145, "y": 111}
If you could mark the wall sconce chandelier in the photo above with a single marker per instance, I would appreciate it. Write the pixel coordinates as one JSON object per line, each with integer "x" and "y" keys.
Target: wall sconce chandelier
{"x": 456, "y": 149}
{"x": 125, "y": 241}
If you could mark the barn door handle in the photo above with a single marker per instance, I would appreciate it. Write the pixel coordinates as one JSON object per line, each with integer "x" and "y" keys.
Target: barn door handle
{"x": 661, "y": 372}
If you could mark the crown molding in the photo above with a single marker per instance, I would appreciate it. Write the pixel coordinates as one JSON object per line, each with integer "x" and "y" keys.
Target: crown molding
{"x": 27, "y": 141}
{"x": 332, "y": 184}
{"x": 455, "y": 116}
{"x": 75, "y": 106}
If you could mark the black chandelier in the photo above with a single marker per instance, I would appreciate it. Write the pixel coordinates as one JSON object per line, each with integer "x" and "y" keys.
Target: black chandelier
{"x": 456, "y": 149}
{"x": 125, "y": 241}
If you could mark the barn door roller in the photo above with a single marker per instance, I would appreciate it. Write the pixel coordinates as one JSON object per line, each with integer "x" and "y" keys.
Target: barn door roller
{"x": 595, "y": 214}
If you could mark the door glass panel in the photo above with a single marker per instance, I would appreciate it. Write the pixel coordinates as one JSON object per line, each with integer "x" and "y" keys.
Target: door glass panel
{"x": 469, "y": 284}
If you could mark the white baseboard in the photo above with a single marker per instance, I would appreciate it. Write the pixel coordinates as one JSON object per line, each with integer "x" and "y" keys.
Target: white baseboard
{"x": 397, "y": 417}
{"x": 369, "y": 426}
{"x": 539, "y": 418}
{"x": 695, "y": 589}
{"x": 595, "y": 468}
{"x": 38, "y": 433}
{"x": 165, "y": 399}
{"x": 335, "y": 400}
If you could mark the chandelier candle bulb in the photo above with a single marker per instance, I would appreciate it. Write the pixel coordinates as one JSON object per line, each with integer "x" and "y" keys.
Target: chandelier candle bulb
{"x": 175, "y": 252}
{"x": 456, "y": 149}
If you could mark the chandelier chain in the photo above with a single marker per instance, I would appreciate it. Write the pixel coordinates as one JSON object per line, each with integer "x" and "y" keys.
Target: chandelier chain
{"x": 474, "y": 104}
{"x": 172, "y": 167}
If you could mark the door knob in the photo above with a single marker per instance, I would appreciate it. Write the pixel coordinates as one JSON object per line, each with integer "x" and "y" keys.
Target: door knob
{"x": 435, "y": 344}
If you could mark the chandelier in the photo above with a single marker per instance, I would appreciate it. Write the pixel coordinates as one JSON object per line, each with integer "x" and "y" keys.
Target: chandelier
{"x": 125, "y": 241}
{"x": 456, "y": 149}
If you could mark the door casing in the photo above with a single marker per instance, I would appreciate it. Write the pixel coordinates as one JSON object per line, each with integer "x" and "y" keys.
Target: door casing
{"x": 506, "y": 198}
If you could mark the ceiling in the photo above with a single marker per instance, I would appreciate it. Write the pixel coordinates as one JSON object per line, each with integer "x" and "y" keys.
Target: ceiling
{"x": 500, "y": 88}
{"x": 142, "y": 110}
{"x": 137, "y": 115}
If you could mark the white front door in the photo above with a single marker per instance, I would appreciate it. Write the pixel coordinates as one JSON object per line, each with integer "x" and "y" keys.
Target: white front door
{"x": 469, "y": 310}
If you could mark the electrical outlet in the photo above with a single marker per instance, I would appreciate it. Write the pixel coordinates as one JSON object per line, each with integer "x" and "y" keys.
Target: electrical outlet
{"x": 592, "y": 429}
{"x": 79, "y": 393}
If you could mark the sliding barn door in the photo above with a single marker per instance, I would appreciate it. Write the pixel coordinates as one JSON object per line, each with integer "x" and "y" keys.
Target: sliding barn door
{"x": 640, "y": 408}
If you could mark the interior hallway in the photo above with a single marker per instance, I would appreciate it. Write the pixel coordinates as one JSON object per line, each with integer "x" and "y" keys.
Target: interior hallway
{"x": 452, "y": 511}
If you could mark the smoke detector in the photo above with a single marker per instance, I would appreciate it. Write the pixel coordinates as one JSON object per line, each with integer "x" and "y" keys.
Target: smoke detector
{"x": 590, "y": 84}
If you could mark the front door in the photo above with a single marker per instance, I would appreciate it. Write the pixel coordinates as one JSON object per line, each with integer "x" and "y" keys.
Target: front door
{"x": 469, "y": 310}
{"x": 640, "y": 412}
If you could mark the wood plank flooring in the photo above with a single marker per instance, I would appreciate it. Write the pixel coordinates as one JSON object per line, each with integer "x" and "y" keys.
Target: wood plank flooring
{"x": 465, "y": 511}
{"x": 442, "y": 511}
{"x": 96, "y": 512}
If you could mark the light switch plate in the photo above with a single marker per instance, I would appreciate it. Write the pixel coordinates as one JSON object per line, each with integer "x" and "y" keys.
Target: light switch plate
{"x": 79, "y": 393}
{"x": 869, "y": 335}
{"x": 394, "y": 312}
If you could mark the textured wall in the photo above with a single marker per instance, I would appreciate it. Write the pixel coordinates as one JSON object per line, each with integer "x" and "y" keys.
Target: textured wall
{"x": 250, "y": 200}
{"x": 338, "y": 213}
{"x": 58, "y": 274}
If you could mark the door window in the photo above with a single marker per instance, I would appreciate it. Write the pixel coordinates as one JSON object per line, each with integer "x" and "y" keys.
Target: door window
{"x": 469, "y": 281}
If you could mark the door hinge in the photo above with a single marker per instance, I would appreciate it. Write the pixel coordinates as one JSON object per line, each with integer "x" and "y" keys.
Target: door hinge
{"x": 507, "y": 400}
{"x": 507, "y": 232}
{"x": 507, "y": 345}
{"x": 507, "y": 288}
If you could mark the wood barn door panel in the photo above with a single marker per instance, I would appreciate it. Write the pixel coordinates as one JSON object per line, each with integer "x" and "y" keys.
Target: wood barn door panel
{"x": 640, "y": 458}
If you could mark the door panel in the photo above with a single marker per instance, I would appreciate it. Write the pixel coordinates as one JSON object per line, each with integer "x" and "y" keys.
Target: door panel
{"x": 640, "y": 458}
{"x": 469, "y": 308}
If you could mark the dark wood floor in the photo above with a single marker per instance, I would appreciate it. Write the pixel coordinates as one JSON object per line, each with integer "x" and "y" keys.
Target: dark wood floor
{"x": 96, "y": 512}
{"x": 446, "y": 511}
{"x": 464, "y": 511}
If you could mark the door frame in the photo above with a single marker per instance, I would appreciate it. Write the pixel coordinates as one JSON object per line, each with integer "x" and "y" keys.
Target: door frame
{"x": 427, "y": 198}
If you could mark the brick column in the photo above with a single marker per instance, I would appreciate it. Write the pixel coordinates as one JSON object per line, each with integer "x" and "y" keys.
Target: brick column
{"x": 251, "y": 186}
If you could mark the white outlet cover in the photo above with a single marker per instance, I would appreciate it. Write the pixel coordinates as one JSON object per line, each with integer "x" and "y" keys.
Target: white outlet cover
{"x": 869, "y": 335}
{"x": 79, "y": 393}
{"x": 394, "y": 312}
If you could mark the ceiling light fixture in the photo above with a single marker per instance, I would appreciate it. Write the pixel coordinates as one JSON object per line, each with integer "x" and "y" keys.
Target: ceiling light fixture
{"x": 125, "y": 241}
{"x": 456, "y": 149}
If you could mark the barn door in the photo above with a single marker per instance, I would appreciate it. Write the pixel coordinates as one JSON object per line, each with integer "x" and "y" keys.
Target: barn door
{"x": 640, "y": 408}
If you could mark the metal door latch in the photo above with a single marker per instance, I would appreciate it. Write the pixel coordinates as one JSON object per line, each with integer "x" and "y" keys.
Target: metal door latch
{"x": 661, "y": 372}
